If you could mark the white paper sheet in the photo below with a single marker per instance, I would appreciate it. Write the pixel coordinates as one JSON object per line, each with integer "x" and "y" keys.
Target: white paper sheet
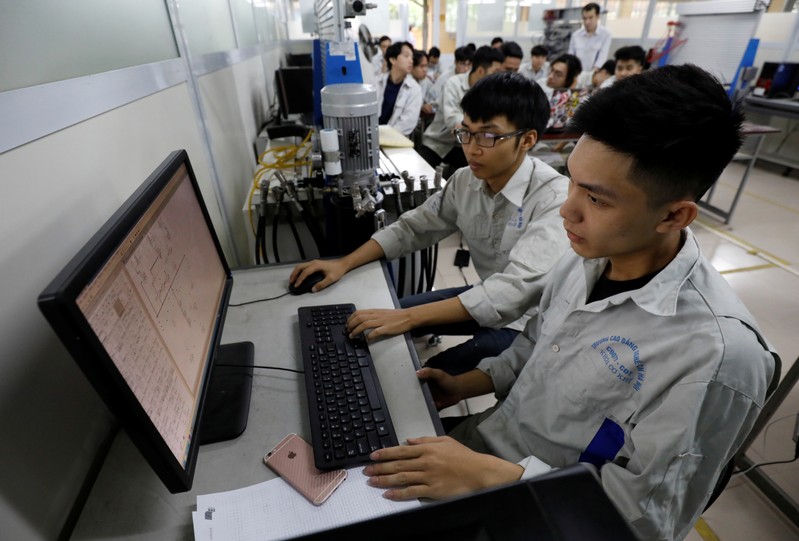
{"x": 274, "y": 510}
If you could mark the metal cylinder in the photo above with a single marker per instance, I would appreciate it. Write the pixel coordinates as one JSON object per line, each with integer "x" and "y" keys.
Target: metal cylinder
{"x": 353, "y": 110}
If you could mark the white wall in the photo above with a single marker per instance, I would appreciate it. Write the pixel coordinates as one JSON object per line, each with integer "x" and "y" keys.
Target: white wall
{"x": 55, "y": 192}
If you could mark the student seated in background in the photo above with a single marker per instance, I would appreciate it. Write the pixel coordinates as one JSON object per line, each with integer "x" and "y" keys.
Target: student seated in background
{"x": 398, "y": 92}
{"x": 497, "y": 42}
{"x": 604, "y": 73}
{"x": 641, "y": 360}
{"x": 419, "y": 72}
{"x": 379, "y": 59}
{"x": 463, "y": 63}
{"x": 438, "y": 141}
{"x": 538, "y": 69}
{"x": 434, "y": 63}
{"x": 513, "y": 56}
{"x": 505, "y": 205}
{"x": 563, "y": 73}
{"x": 629, "y": 61}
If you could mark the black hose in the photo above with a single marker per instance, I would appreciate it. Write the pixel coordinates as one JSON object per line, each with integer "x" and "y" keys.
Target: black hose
{"x": 313, "y": 228}
{"x": 401, "y": 280}
{"x": 274, "y": 232}
{"x": 263, "y": 240}
{"x": 422, "y": 270}
{"x": 294, "y": 230}
{"x": 413, "y": 271}
{"x": 433, "y": 268}
{"x": 258, "y": 240}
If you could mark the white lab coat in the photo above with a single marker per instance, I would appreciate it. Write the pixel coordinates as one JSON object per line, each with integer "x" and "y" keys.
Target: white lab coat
{"x": 408, "y": 104}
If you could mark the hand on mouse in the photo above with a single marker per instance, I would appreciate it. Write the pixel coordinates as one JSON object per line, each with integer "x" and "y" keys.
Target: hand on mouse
{"x": 333, "y": 269}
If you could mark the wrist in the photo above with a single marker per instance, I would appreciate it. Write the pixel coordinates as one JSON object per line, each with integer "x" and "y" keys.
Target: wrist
{"x": 500, "y": 472}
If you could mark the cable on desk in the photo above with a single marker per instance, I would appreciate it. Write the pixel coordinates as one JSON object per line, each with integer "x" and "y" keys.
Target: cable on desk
{"x": 262, "y": 367}
{"x": 258, "y": 300}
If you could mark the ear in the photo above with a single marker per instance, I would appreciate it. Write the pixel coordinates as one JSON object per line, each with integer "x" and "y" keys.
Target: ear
{"x": 529, "y": 139}
{"x": 678, "y": 215}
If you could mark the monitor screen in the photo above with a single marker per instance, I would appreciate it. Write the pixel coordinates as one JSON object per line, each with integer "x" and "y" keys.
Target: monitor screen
{"x": 295, "y": 90}
{"x": 141, "y": 309}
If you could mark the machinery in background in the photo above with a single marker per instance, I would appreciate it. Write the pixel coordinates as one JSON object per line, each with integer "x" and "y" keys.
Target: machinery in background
{"x": 330, "y": 171}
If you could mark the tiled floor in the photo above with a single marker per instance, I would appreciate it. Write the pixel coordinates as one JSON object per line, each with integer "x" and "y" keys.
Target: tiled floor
{"x": 759, "y": 255}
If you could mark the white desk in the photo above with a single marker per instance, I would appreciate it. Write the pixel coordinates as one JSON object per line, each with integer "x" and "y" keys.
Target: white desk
{"x": 128, "y": 500}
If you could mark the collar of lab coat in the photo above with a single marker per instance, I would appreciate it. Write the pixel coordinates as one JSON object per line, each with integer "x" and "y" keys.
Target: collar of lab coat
{"x": 659, "y": 296}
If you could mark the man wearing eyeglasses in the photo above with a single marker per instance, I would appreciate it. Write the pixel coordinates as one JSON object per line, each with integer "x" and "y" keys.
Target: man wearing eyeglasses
{"x": 504, "y": 204}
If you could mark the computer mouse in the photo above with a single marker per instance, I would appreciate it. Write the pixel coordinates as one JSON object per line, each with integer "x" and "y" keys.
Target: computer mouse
{"x": 307, "y": 284}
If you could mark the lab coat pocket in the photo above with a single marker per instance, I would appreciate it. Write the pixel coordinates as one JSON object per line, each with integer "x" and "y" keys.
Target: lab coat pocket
{"x": 474, "y": 227}
{"x": 513, "y": 232}
{"x": 605, "y": 377}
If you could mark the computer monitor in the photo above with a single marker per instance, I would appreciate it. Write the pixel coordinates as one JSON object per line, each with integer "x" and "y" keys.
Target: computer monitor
{"x": 295, "y": 90}
{"x": 778, "y": 80}
{"x": 141, "y": 308}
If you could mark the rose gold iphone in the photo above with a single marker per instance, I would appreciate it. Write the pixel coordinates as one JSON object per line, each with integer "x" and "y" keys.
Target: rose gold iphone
{"x": 292, "y": 459}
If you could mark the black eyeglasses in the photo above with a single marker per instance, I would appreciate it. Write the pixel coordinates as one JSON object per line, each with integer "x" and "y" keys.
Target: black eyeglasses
{"x": 487, "y": 140}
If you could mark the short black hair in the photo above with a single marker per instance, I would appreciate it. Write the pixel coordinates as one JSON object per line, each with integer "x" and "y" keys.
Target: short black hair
{"x": 471, "y": 46}
{"x": 383, "y": 38}
{"x": 609, "y": 66}
{"x": 511, "y": 95}
{"x": 497, "y": 40}
{"x": 539, "y": 50}
{"x": 434, "y": 52}
{"x": 463, "y": 54}
{"x": 485, "y": 56}
{"x": 676, "y": 123}
{"x": 573, "y": 67}
{"x": 395, "y": 49}
{"x": 417, "y": 57}
{"x": 631, "y": 52}
{"x": 512, "y": 49}
{"x": 593, "y": 6}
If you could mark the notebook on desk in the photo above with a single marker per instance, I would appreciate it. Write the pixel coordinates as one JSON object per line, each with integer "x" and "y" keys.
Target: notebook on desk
{"x": 562, "y": 106}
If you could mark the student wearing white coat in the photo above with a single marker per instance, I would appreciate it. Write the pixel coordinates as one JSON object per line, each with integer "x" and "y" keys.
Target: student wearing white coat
{"x": 399, "y": 94}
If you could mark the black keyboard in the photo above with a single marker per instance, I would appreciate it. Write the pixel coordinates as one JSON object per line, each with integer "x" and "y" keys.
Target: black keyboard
{"x": 349, "y": 418}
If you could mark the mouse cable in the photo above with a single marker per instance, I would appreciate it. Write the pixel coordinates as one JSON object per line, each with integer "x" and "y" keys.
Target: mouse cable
{"x": 262, "y": 367}
{"x": 258, "y": 300}
{"x": 758, "y": 465}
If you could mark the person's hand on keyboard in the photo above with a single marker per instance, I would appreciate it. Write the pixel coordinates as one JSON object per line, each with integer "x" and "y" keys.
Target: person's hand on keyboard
{"x": 382, "y": 322}
{"x": 436, "y": 467}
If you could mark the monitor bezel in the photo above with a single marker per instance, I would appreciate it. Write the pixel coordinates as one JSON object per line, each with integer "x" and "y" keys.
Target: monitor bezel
{"x": 58, "y": 303}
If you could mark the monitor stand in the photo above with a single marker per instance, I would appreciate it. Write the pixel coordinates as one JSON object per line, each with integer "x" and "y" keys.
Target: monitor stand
{"x": 227, "y": 403}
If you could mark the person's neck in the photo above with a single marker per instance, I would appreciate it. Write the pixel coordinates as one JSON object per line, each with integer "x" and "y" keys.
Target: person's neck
{"x": 473, "y": 78}
{"x": 652, "y": 259}
{"x": 396, "y": 77}
{"x": 497, "y": 184}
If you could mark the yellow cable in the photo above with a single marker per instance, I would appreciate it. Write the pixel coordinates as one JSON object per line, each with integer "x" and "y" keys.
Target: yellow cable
{"x": 285, "y": 158}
